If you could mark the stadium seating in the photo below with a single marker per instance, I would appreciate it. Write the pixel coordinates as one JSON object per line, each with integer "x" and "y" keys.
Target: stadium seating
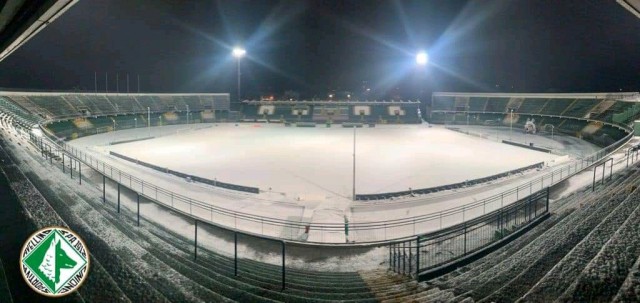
{"x": 532, "y": 105}
{"x": 617, "y": 108}
{"x": 576, "y": 255}
{"x": 125, "y": 104}
{"x": 497, "y": 104}
{"x": 56, "y": 105}
{"x": 580, "y": 108}
{"x": 477, "y": 104}
{"x": 150, "y": 102}
{"x": 587, "y": 250}
{"x": 443, "y": 103}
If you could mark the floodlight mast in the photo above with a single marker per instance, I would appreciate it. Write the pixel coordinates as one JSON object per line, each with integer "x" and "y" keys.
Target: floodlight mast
{"x": 238, "y": 53}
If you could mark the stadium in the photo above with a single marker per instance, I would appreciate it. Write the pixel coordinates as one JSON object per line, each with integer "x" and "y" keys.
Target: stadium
{"x": 186, "y": 197}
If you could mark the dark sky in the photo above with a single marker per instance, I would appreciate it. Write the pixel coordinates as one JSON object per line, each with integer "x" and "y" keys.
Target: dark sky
{"x": 315, "y": 46}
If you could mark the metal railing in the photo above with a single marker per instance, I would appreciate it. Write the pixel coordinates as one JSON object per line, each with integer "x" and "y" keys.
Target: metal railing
{"x": 433, "y": 250}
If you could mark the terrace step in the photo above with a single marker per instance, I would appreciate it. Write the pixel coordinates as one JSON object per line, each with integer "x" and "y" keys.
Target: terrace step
{"x": 484, "y": 283}
{"x": 556, "y": 281}
{"x": 630, "y": 289}
{"x": 602, "y": 278}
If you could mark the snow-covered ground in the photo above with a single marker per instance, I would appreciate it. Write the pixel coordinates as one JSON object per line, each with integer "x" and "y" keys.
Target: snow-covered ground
{"x": 309, "y": 172}
{"x": 318, "y": 162}
{"x": 367, "y": 258}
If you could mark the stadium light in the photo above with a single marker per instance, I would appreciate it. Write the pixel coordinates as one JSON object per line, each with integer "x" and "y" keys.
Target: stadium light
{"x": 238, "y": 53}
{"x": 422, "y": 58}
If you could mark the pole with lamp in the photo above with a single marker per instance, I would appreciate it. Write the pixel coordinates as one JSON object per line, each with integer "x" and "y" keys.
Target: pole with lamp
{"x": 149, "y": 120}
{"x": 238, "y": 53}
{"x": 511, "y": 125}
{"x": 354, "y": 163}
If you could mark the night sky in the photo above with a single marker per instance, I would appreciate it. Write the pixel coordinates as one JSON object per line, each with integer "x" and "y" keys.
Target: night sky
{"x": 316, "y": 46}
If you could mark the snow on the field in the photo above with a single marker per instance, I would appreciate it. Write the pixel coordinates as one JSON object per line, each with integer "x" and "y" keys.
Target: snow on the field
{"x": 318, "y": 161}
{"x": 305, "y": 173}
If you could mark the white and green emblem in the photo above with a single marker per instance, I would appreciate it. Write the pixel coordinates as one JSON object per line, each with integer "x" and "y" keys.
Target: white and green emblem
{"x": 54, "y": 261}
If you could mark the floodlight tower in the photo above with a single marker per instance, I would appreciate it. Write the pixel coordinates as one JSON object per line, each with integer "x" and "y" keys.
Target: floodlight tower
{"x": 238, "y": 53}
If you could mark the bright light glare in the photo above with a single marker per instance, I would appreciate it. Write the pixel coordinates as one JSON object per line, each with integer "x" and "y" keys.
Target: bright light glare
{"x": 422, "y": 58}
{"x": 239, "y": 52}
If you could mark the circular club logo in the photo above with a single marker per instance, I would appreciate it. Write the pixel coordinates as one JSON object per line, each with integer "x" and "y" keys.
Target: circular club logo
{"x": 54, "y": 261}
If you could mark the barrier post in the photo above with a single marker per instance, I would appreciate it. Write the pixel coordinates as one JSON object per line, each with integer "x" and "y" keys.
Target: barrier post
{"x": 63, "y": 165}
{"x": 104, "y": 189}
{"x": 138, "y": 200}
{"x": 195, "y": 242}
{"x": 404, "y": 257}
{"x": 593, "y": 184}
{"x": 80, "y": 171}
{"x": 283, "y": 265}
{"x": 410, "y": 257}
{"x": 417, "y": 257}
{"x": 235, "y": 253}
{"x": 394, "y": 258}
{"x": 465, "y": 238}
{"x": 118, "y": 197}
{"x": 611, "y": 170}
{"x": 547, "y": 203}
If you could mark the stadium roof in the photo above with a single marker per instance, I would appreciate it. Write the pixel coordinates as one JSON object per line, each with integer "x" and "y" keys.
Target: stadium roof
{"x": 629, "y": 96}
{"x": 22, "y": 19}
{"x": 631, "y": 5}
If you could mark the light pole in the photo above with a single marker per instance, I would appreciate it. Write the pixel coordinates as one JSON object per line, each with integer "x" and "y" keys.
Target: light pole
{"x": 149, "y": 120}
{"x": 354, "y": 163}
{"x": 511, "y": 125}
{"x": 467, "y": 117}
{"x": 238, "y": 53}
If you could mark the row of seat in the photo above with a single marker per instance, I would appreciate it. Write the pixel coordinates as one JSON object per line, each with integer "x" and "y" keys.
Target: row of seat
{"x": 575, "y": 255}
{"x": 569, "y": 107}
{"x": 69, "y": 105}
{"x": 376, "y": 114}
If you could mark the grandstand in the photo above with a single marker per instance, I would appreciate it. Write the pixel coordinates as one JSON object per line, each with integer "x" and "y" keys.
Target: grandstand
{"x": 561, "y": 251}
{"x": 375, "y": 112}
